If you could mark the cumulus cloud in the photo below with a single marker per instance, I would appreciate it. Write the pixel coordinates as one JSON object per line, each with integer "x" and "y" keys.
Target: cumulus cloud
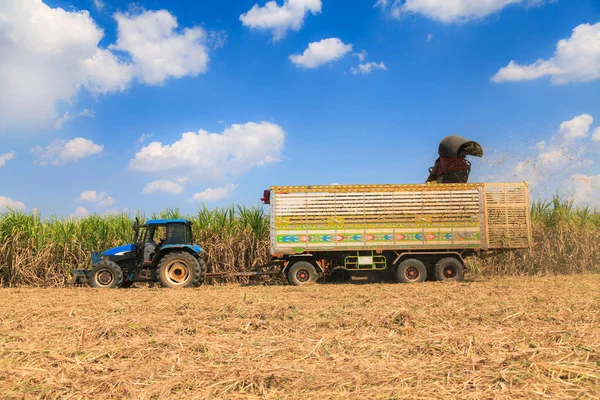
{"x": 560, "y": 164}
{"x": 215, "y": 194}
{"x": 367, "y": 68}
{"x": 449, "y": 11}
{"x": 565, "y": 151}
{"x": 99, "y": 4}
{"x": 280, "y": 19}
{"x": 577, "y": 59}
{"x": 596, "y": 135}
{"x": 163, "y": 186}
{"x": 61, "y": 152}
{"x": 8, "y": 203}
{"x": 157, "y": 49}
{"x": 234, "y": 151}
{"x": 101, "y": 199}
{"x": 50, "y": 54}
{"x": 584, "y": 189}
{"x": 320, "y": 53}
{"x": 578, "y": 127}
{"x": 6, "y": 157}
{"x": 429, "y": 37}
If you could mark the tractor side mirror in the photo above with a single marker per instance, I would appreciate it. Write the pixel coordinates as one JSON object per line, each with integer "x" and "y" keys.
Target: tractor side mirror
{"x": 136, "y": 224}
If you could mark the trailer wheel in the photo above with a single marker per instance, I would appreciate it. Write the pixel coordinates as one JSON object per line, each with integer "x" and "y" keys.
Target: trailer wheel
{"x": 302, "y": 273}
{"x": 179, "y": 270}
{"x": 106, "y": 275}
{"x": 449, "y": 269}
{"x": 411, "y": 270}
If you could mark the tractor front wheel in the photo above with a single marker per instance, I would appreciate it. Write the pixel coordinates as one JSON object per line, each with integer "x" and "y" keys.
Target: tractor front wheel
{"x": 106, "y": 274}
{"x": 180, "y": 270}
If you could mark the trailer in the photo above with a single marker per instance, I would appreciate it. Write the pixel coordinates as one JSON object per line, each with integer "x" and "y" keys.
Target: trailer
{"x": 413, "y": 231}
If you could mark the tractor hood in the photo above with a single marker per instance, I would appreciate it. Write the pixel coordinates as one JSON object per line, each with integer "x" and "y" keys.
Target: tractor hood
{"x": 118, "y": 251}
{"x": 451, "y": 145}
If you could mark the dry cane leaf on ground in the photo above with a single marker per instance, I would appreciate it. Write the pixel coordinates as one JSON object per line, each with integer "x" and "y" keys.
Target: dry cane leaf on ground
{"x": 497, "y": 338}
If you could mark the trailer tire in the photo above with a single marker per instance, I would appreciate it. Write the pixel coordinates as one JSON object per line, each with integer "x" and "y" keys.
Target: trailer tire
{"x": 411, "y": 270}
{"x": 449, "y": 269}
{"x": 179, "y": 270}
{"x": 105, "y": 275}
{"x": 302, "y": 273}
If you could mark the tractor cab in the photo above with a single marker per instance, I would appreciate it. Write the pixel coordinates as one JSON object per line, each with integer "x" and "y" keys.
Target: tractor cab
{"x": 160, "y": 234}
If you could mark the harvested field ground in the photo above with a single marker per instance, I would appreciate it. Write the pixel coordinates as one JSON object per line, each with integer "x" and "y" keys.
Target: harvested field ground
{"x": 499, "y": 338}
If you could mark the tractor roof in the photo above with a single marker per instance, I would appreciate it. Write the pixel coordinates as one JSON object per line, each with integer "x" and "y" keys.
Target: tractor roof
{"x": 166, "y": 221}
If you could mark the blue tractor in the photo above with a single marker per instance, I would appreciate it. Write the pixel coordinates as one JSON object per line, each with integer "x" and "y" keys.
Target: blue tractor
{"x": 163, "y": 251}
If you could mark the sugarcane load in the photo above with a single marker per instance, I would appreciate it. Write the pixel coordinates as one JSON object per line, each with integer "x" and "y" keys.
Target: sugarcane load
{"x": 452, "y": 165}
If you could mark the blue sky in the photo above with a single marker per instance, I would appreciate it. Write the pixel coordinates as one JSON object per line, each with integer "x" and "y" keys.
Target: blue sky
{"x": 95, "y": 97}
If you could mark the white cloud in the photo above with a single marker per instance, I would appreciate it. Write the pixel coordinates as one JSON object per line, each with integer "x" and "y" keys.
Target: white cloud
{"x": 59, "y": 122}
{"x": 6, "y": 157}
{"x": 585, "y": 189}
{"x": 236, "y": 150}
{"x": 158, "y": 51}
{"x": 578, "y": 127}
{"x": 163, "y": 186}
{"x": 101, "y": 199}
{"x": 564, "y": 151}
{"x": 367, "y": 68}
{"x": 429, "y": 37}
{"x": 50, "y": 54}
{"x": 215, "y": 194}
{"x": 576, "y": 59}
{"x": 61, "y": 152}
{"x": 596, "y": 135}
{"x": 46, "y": 54}
{"x": 81, "y": 212}
{"x": 559, "y": 164}
{"x": 322, "y": 52}
{"x": 449, "y": 11}
{"x": 362, "y": 56}
{"x": 143, "y": 137}
{"x": 87, "y": 113}
{"x": 8, "y": 203}
{"x": 280, "y": 19}
{"x": 99, "y": 4}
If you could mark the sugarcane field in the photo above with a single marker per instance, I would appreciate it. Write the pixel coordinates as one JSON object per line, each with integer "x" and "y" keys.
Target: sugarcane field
{"x": 299, "y": 199}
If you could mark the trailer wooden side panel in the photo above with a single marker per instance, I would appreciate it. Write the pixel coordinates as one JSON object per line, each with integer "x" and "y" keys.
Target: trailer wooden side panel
{"x": 398, "y": 217}
{"x": 508, "y": 215}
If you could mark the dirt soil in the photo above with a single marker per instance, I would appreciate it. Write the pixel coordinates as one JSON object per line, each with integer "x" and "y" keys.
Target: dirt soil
{"x": 502, "y": 338}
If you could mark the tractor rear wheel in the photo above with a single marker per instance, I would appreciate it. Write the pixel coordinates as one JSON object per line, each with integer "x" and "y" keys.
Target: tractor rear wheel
{"x": 106, "y": 274}
{"x": 180, "y": 270}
